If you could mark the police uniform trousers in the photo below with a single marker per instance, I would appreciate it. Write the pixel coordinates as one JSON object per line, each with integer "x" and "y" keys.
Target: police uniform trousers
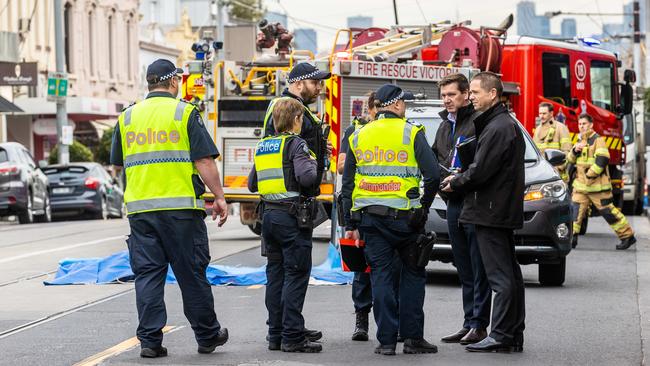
{"x": 383, "y": 236}
{"x": 362, "y": 289}
{"x": 477, "y": 295}
{"x": 497, "y": 246}
{"x": 178, "y": 238}
{"x": 287, "y": 274}
{"x": 604, "y": 203}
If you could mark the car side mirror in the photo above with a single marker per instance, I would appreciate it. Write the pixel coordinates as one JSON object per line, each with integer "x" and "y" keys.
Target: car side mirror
{"x": 42, "y": 164}
{"x": 555, "y": 157}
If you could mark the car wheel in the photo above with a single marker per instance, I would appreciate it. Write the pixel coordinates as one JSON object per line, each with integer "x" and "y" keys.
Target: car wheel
{"x": 552, "y": 274}
{"x": 27, "y": 216}
{"x": 47, "y": 215}
{"x": 256, "y": 228}
{"x": 103, "y": 213}
{"x": 583, "y": 226}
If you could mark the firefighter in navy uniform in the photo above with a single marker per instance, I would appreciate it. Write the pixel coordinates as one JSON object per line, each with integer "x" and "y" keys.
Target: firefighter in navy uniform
{"x": 381, "y": 200}
{"x": 284, "y": 169}
{"x": 164, "y": 148}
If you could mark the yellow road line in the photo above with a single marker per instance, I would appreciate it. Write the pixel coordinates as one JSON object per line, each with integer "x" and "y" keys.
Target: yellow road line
{"x": 254, "y": 287}
{"x": 117, "y": 349}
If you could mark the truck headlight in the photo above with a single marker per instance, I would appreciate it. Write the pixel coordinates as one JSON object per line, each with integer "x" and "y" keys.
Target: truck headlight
{"x": 554, "y": 189}
{"x": 562, "y": 231}
{"x": 627, "y": 178}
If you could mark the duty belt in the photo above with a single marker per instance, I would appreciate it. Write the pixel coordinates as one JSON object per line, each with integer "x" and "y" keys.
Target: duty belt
{"x": 385, "y": 211}
{"x": 289, "y": 207}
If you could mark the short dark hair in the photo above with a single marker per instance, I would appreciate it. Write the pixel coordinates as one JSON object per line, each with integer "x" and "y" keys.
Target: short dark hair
{"x": 162, "y": 84}
{"x": 461, "y": 82}
{"x": 372, "y": 97}
{"x": 587, "y": 117}
{"x": 547, "y": 105}
{"x": 489, "y": 81}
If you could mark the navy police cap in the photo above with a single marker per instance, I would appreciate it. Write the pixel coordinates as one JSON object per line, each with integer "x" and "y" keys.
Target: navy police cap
{"x": 306, "y": 71}
{"x": 388, "y": 94}
{"x": 161, "y": 70}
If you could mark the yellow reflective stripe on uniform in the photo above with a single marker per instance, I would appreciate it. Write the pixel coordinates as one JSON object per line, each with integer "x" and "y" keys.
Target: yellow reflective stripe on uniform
{"x": 581, "y": 187}
{"x": 597, "y": 169}
{"x": 180, "y": 109}
{"x": 127, "y": 116}
{"x": 155, "y": 157}
{"x": 582, "y": 161}
{"x": 398, "y": 203}
{"x": 622, "y": 223}
{"x": 406, "y": 135}
{"x": 388, "y": 170}
{"x": 280, "y": 196}
{"x": 565, "y": 140}
{"x": 601, "y": 151}
{"x": 266, "y": 174}
{"x": 167, "y": 203}
{"x": 355, "y": 138}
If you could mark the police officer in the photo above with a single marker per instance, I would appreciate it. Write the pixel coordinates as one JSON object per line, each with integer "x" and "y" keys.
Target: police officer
{"x": 592, "y": 185}
{"x": 551, "y": 134}
{"x": 168, "y": 154}
{"x": 284, "y": 168}
{"x": 381, "y": 199}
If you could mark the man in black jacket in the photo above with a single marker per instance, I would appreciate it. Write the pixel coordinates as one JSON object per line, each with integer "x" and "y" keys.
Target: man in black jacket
{"x": 494, "y": 202}
{"x": 457, "y": 125}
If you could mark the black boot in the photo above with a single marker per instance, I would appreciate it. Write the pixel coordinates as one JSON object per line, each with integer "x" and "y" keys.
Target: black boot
{"x": 412, "y": 346}
{"x": 312, "y": 335}
{"x": 219, "y": 340}
{"x": 155, "y": 352}
{"x": 626, "y": 243}
{"x": 361, "y": 328}
{"x": 304, "y": 347}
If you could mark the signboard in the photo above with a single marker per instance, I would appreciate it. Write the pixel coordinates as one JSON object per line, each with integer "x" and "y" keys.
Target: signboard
{"x": 57, "y": 86}
{"x": 67, "y": 135}
{"x": 193, "y": 87}
{"x": 17, "y": 74}
{"x": 358, "y": 106}
{"x": 386, "y": 70}
{"x": 580, "y": 71}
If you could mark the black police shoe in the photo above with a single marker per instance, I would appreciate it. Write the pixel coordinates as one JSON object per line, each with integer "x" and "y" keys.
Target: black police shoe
{"x": 219, "y": 340}
{"x": 274, "y": 346}
{"x": 361, "y": 328}
{"x": 312, "y": 335}
{"x": 413, "y": 346}
{"x": 155, "y": 352}
{"x": 626, "y": 243}
{"x": 385, "y": 350}
{"x": 304, "y": 347}
{"x": 490, "y": 344}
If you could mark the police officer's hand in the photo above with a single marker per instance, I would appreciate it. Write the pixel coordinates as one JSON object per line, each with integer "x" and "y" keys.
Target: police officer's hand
{"x": 447, "y": 188}
{"x": 580, "y": 145}
{"x": 220, "y": 208}
{"x": 330, "y": 147}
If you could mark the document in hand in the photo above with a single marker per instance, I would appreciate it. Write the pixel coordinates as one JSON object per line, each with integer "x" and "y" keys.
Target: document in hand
{"x": 466, "y": 150}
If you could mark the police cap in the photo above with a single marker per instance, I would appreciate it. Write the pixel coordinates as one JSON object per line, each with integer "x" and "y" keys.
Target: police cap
{"x": 161, "y": 70}
{"x": 307, "y": 71}
{"x": 388, "y": 94}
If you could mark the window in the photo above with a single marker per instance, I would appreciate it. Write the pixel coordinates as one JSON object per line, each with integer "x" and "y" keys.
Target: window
{"x": 602, "y": 82}
{"x": 3, "y": 156}
{"x": 629, "y": 129}
{"x": 556, "y": 77}
{"x": 67, "y": 33}
{"x": 129, "y": 51}
{"x": 111, "y": 49}
{"x": 91, "y": 43}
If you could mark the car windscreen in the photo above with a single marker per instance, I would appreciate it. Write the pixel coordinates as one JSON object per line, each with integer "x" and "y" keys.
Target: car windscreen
{"x": 3, "y": 156}
{"x": 531, "y": 154}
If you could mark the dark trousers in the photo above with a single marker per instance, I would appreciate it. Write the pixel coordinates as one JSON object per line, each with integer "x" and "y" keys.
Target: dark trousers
{"x": 504, "y": 274}
{"x": 384, "y": 235}
{"x": 362, "y": 289}
{"x": 477, "y": 295}
{"x": 178, "y": 238}
{"x": 287, "y": 275}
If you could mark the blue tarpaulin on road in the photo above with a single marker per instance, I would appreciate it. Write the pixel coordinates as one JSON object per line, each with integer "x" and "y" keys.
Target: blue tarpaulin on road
{"x": 116, "y": 268}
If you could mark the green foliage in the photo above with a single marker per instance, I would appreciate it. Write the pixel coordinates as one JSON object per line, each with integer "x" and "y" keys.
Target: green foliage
{"x": 103, "y": 149}
{"x": 646, "y": 101}
{"x": 78, "y": 153}
{"x": 248, "y": 10}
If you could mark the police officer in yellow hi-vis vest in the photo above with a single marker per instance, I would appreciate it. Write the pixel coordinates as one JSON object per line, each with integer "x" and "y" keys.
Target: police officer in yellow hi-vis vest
{"x": 284, "y": 170}
{"x": 551, "y": 134}
{"x": 592, "y": 183}
{"x": 381, "y": 198}
{"x": 168, "y": 154}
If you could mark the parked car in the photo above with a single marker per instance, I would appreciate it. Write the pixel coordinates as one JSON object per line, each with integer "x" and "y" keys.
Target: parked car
{"x": 23, "y": 186}
{"x": 546, "y": 236}
{"x": 84, "y": 189}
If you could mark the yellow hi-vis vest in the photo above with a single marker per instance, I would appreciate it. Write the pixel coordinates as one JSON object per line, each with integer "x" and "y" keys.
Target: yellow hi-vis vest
{"x": 268, "y": 164}
{"x": 386, "y": 165}
{"x": 156, "y": 151}
{"x": 269, "y": 112}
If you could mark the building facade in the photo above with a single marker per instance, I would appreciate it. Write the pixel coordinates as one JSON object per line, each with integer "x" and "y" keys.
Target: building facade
{"x": 305, "y": 39}
{"x": 102, "y": 63}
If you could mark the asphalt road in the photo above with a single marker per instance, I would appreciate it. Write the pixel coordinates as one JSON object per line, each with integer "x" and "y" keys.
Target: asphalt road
{"x": 596, "y": 318}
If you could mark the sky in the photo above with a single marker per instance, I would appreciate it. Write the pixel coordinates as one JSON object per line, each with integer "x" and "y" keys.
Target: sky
{"x": 329, "y": 15}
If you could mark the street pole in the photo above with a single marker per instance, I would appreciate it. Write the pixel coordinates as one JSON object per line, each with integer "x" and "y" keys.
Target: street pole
{"x": 637, "y": 42}
{"x": 395, "y": 11}
{"x": 61, "y": 113}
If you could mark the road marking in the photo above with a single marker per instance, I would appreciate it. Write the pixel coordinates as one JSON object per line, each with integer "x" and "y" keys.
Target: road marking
{"x": 254, "y": 287}
{"x": 72, "y": 246}
{"x": 122, "y": 347}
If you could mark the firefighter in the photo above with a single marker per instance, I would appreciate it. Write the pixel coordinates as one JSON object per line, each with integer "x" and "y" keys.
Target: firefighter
{"x": 305, "y": 84}
{"x": 284, "y": 168}
{"x": 164, "y": 147}
{"x": 381, "y": 200}
{"x": 551, "y": 134}
{"x": 592, "y": 184}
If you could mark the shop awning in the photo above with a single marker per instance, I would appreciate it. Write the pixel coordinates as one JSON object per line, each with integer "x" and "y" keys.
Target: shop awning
{"x": 8, "y": 107}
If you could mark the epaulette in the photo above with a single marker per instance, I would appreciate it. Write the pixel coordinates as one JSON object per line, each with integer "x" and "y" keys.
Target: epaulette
{"x": 414, "y": 123}
{"x": 128, "y": 106}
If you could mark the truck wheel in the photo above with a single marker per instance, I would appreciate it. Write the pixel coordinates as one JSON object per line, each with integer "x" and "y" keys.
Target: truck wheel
{"x": 583, "y": 226}
{"x": 552, "y": 274}
{"x": 256, "y": 228}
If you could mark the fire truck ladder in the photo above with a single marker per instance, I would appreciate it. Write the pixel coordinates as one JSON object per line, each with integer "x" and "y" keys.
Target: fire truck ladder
{"x": 400, "y": 41}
